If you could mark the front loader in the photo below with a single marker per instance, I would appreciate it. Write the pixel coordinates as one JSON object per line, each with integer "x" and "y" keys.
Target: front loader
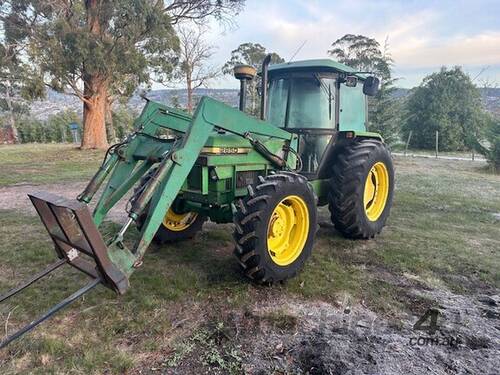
{"x": 267, "y": 176}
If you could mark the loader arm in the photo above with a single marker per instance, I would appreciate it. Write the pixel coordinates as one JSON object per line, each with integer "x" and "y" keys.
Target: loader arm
{"x": 174, "y": 169}
{"x": 168, "y": 161}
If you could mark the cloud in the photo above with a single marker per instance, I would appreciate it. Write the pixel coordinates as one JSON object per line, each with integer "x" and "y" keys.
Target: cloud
{"x": 479, "y": 49}
{"x": 421, "y": 35}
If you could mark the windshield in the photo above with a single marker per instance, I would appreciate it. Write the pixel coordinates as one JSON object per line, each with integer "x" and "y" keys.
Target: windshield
{"x": 302, "y": 102}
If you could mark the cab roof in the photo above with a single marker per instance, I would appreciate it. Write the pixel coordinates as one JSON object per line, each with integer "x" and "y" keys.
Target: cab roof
{"x": 316, "y": 64}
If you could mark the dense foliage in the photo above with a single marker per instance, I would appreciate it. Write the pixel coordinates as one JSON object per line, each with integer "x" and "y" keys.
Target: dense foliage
{"x": 492, "y": 148}
{"x": 448, "y": 102}
{"x": 56, "y": 129}
{"x": 123, "y": 121}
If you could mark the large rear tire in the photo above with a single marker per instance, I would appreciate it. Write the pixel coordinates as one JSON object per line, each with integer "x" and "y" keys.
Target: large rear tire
{"x": 361, "y": 189}
{"x": 275, "y": 227}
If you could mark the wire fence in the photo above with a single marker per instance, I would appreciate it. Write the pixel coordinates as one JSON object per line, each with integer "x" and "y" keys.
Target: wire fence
{"x": 437, "y": 153}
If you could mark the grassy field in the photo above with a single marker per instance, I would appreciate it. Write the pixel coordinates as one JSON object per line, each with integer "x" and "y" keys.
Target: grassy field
{"x": 444, "y": 232}
{"x": 46, "y": 163}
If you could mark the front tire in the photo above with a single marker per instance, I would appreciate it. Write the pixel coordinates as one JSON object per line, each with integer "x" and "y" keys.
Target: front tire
{"x": 179, "y": 226}
{"x": 275, "y": 227}
{"x": 176, "y": 226}
{"x": 361, "y": 189}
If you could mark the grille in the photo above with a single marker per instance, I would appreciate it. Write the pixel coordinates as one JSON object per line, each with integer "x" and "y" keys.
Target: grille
{"x": 243, "y": 179}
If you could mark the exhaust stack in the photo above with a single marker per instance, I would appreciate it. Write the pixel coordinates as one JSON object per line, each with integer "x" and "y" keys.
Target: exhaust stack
{"x": 263, "y": 97}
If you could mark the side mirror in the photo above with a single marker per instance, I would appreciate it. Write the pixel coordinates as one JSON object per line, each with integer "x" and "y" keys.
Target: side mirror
{"x": 371, "y": 86}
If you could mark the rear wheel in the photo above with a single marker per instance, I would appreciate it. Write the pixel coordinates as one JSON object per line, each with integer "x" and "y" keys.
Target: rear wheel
{"x": 275, "y": 227}
{"x": 361, "y": 189}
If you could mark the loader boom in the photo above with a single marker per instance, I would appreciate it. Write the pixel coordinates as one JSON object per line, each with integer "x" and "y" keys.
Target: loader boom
{"x": 172, "y": 159}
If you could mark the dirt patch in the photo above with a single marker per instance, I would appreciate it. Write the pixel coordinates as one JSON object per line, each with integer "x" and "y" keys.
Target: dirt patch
{"x": 323, "y": 338}
{"x": 15, "y": 197}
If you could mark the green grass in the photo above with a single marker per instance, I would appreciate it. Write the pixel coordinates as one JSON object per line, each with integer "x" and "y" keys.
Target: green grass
{"x": 46, "y": 163}
{"x": 441, "y": 233}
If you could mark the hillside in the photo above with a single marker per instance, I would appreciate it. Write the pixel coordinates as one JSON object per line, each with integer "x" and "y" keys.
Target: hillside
{"x": 56, "y": 102}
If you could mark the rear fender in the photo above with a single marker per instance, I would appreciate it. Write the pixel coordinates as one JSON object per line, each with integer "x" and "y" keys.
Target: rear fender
{"x": 338, "y": 142}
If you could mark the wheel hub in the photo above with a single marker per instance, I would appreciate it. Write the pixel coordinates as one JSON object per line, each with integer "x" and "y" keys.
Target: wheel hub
{"x": 178, "y": 222}
{"x": 288, "y": 230}
{"x": 376, "y": 191}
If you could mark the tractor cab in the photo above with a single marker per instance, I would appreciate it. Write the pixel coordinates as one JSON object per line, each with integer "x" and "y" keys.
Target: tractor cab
{"x": 315, "y": 99}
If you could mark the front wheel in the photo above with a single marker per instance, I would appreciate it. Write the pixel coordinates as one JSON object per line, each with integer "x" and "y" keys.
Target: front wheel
{"x": 275, "y": 227}
{"x": 176, "y": 225}
{"x": 179, "y": 226}
{"x": 361, "y": 189}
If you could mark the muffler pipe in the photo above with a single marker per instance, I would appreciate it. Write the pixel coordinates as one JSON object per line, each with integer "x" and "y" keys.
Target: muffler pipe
{"x": 263, "y": 97}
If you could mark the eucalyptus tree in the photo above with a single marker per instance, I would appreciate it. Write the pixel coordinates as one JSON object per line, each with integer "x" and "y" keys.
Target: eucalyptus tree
{"x": 367, "y": 55}
{"x": 97, "y": 49}
{"x": 250, "y": 54}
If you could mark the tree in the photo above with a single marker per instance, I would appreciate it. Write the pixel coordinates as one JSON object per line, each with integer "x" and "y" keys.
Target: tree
{"x": 365, "y": 55}
{"x": 193, "y": 56}
{"x": 123, "y": 121}
{"x": 447, "y": 101}
{"x": 250, "y": 54}
{"x": 9, "y": 87}
{"x": 97, "y": 49}
{"x": 492, "y": 152}
{"x": 15, "y": 78}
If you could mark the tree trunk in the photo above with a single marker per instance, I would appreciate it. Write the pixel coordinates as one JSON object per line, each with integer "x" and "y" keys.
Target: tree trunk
{"x": 95, "y": 92}
{"x": 11, "y": 133}
{"x": 110, "y": 130}
{"x": 94, "y": 110}
{"x": 189, "y": 87}
{"x": 189, "y": 98}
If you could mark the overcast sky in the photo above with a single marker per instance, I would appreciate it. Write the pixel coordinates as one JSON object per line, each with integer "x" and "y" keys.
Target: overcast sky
{"x": 422, "y": 35}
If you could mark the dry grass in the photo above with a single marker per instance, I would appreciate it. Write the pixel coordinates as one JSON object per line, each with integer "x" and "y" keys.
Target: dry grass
{"x": 442, "y": 231}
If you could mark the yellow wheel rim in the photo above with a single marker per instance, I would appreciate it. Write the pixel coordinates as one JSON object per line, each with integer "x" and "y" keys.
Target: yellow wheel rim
{"x": 288, "y": 230}
{"x": 178, "y": 222}
{"x": 376, "y": 191}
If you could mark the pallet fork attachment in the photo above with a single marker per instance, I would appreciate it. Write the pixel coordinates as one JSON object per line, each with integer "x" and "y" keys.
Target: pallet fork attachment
{"x": 54, "y": 309}
{"x": 75, "y": 238}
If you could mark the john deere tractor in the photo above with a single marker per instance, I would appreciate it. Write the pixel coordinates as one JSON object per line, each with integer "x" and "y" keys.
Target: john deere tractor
{"x": 309, "y": 148}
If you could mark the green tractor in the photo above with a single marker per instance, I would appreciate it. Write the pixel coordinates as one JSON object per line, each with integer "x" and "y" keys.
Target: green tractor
{"x": 310, "y": 148}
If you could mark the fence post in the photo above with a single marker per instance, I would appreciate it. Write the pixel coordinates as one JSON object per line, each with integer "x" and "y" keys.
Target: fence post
{"x": 472, "y": 154}
{"x": 437, "y": 143}
{"x": 408, "y": 142}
